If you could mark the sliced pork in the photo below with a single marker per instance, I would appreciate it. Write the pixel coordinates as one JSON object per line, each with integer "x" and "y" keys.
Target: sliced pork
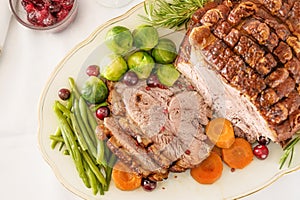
{"x": 155, "y": 130}
{"x": 244, "y": 57}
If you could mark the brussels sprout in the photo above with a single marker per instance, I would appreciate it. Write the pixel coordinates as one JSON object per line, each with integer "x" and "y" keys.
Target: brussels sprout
{"x": 165, "y": 51}
{"x": 119, "y": 40}
{"x": 145, "y": 37}
{"x": 167, "y": 74}
{"x": 114, "y": 67}
{"x": 94, "y": 90}
{"x": 141, "y": 63}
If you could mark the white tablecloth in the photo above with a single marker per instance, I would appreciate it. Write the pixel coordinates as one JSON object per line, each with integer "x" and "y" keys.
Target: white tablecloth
{"x": 27, "y": 61}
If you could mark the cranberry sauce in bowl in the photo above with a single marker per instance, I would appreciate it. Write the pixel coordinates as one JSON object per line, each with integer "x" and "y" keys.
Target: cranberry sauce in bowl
{"x": 52, "y": 15}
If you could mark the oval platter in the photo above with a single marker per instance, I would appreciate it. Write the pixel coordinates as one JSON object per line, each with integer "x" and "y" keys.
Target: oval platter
{"x": 232, "y": 185}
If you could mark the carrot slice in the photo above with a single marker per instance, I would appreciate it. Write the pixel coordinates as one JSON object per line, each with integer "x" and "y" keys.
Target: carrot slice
{"x": 209, "y": 171}
{"x": 124, "y": 178}
{"x": 220, "y": 132}
{"x": 239, "y": 155}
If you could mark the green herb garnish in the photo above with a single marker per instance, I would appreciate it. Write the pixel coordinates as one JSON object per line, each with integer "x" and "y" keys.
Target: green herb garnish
{"x": 171, "y": 14}
{"x": 289, "y": 151}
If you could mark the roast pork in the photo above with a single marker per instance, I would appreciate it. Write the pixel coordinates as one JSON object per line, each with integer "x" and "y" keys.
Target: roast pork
{"x": 158, "y": 130}
{"x": 244, "y": 57}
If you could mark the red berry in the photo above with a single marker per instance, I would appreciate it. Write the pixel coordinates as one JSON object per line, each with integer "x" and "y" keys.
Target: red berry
{"x": 62, "y": 14}
{"x": 92, "y": 70}
{"x": 54, "y": 7}
{"x": 102, "y": 112}
{"x": 67, "y": 4}
{"x": 130, "y": 78}
{"x": 49, "y": 20}
{"x": 148, "y": 185}
{"x": 261, "y": 151}
{"x": 29, "y": 8}
{"x": 153, "y": 81}
{"x": 64, "y": 94}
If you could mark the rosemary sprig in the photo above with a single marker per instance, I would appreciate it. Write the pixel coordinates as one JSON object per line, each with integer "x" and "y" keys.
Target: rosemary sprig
{"x": 289, "y": 151}
{"x": 171, "y": 14}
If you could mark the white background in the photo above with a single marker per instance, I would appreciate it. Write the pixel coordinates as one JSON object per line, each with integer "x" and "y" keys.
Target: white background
{"x": 27, "y": 61}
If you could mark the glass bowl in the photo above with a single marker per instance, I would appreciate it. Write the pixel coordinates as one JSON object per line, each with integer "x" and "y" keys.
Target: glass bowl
{"x": 21, "y": 15}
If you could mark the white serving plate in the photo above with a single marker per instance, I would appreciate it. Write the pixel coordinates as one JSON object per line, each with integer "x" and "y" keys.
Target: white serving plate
{"x": 240, "y": 183}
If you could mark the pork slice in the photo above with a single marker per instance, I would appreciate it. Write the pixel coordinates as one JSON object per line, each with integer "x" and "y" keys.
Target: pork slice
{"x": 146, "y": 108}
{"x": 144, "y": 141}
{"x": 131, "y": 147}
{"x": 194, "y": 113}
{"x": 182, "y": 138}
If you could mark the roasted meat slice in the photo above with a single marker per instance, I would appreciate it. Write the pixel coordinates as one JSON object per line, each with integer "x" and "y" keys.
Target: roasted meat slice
{"x": 243, "y": 56}
{"x": 155, "y": 130}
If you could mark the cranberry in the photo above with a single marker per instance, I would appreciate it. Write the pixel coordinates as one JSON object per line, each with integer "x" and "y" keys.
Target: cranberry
{"x": 148, "y": 185}
{"x": 45, "y": 12}
{"x": 102, "y": 112}
{"x": 92, "y": 70}
{"x": 130, "y": 78}
{"x": 29, "y": 8}
{"x": 64, "y": 94}
{"x": 67, "y": 4}
{"x": 62, "y": 14}
{"x": 49, "y": 20}
{"x": 153, "y": 81}
{"x": 263, "y": 140}
{"x": 39, "y": 4}
{"x": 55, "y": 7}
{"x": 261, "y": 151}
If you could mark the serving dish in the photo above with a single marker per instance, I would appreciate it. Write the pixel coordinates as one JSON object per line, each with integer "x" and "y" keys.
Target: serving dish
{"x": 240, "y": 183}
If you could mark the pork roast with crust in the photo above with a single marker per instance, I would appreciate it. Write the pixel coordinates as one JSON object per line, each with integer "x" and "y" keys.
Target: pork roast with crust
{"x": 244, "y": 57}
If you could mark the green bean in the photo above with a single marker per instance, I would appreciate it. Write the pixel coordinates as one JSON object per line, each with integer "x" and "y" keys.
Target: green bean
{"x": 101, "y": 189}
{"x": 78, "y": 133}
{"x": 91, "y": 118}
{"x": 66, "y": 152}
{"x": 71, "y": 143}
{"x": 86, "y": 168}
{"x": 57, "y": 134}
{"x": 92, "y": 178}
{"x": 63, "y": 109}
{"x": 57, "y": 138}
{"x": 109, "y": 169}
{"x": 94, "y": 168}
{"x": 70, "y": 102}
{"x": 90, "y": 143}
{"x": 74, "y": 88}
{"x": 83, "y": 109}
{"x": 61, "y": 146}
{"x": 53, "y": 144}
{"x": 101, "y": 147}
{"x": 100, "y": 158}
